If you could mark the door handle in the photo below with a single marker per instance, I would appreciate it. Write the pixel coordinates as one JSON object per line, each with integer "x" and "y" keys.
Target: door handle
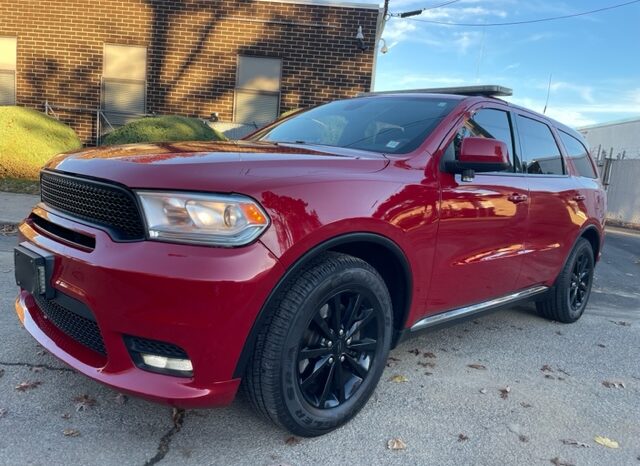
{"x": 518, "y": 198}
{"x": 579, "y": 197}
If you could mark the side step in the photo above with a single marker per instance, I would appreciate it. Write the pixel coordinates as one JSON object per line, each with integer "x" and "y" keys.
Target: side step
{"x": 447, "y": 316}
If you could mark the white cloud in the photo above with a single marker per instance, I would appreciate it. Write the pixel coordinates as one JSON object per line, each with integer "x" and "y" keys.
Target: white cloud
{"x": 585, "y": 92}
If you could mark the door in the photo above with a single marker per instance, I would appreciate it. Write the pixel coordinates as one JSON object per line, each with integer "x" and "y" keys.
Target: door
{"x": 557, "y": 205}
{"x": 482, "y": 223}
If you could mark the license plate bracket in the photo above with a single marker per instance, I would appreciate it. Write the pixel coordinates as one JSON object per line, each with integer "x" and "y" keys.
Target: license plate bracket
{"x": 33, "y": 270}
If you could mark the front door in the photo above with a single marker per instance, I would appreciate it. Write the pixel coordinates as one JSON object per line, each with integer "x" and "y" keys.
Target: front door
{"x": 483, "y": 223}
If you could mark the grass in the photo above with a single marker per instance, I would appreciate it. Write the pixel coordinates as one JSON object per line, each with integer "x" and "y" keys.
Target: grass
{"x": 17, "y": 185}
{"x": 28, "y": 139}
{"x": 163, "y": 129}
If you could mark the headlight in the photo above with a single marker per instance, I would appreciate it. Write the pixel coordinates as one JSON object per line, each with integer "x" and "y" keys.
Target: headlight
{"x": 217, "y": 220}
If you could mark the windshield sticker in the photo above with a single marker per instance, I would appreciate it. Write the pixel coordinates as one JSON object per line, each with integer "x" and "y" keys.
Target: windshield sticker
{"x": 392, "y": 144}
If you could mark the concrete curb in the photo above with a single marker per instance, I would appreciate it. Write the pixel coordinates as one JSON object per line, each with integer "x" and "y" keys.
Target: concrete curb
{"x": 15, "y": 207}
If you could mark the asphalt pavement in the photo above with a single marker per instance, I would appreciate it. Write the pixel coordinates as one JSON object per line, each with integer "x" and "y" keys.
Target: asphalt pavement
{"x": 535, "y": 384}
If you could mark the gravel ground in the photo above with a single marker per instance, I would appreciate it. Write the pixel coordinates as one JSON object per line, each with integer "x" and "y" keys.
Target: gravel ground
{"x": 445, "y": 412}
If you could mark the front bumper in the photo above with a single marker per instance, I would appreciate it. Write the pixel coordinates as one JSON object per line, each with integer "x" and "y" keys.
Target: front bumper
{"x": 201, "y": 299}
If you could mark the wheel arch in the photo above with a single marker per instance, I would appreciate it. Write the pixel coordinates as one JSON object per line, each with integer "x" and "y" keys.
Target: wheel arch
{"x": 592, "y": 235}
{"x": 380, "y": 252}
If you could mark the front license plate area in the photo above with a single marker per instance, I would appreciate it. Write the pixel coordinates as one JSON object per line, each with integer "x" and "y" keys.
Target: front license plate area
{"x": 33, "y": 270}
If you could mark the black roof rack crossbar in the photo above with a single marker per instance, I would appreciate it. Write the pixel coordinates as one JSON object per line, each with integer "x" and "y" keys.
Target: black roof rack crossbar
{"x": 485, "y": 90}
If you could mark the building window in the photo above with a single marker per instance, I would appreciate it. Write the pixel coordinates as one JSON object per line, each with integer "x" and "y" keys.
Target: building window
{"x": 8, "y": 54}
{"x": 124, "y": 83}
{"x": 257, "y": 96}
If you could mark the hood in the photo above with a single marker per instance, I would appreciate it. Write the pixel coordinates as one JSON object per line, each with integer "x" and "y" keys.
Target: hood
{"x": 216, "y": 166}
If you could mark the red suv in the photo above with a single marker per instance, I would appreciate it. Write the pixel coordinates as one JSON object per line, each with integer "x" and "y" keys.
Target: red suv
{"x": 292, "y": 261}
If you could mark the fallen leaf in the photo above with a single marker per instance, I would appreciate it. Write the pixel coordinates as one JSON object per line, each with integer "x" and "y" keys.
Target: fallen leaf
{"x": 558, "y": 462}
{"x": 36, "y": 369}
{"x": 601, "y": 345}
{"x": 477, "y": 366}
{"x": 66, "y": 416}
{"x": 427, "y": 364}
{"x": 292, "y": 440}
{"x": 483, "y": 391}
{"x": 3, "y": 412}
{"x": 575, "y": 443}
{"x": 429, "y": 354}
{"x": 398, "y": 379}
{"x": 84, "y": 402}
{"x": 177, "y": 415}
{"x": 415, "y": 351}
{"x": 396, "y": 444}
{"x": 428, "y": 373}
{"x": 549, "y": 376}
{"x": 504, "y": 392}
{"x": 558, "y": 332}
{"x": 523, "y": 438}
{"x": 41, "y": 352}
{"x": 606, "y": 442}
{"x": 608, "y": 384}
{"x": 71, "y": 433}
{"x": 462, "y": 438}
{"x": 526, "y": 405}
{"x": 546, "y": 368}
{"x": 622, "y": 323}
{"x": 121, "y": 398}
{"x": 24, "y": 386}
{"x": 8, "y": 229}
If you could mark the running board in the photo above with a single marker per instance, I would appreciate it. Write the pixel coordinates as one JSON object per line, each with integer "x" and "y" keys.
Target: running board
{"x": 476, "y": 308}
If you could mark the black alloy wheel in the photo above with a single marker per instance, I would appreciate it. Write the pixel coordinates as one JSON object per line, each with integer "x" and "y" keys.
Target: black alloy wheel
{"x": 320, "y": 356}
{"x": 339, "y": 348}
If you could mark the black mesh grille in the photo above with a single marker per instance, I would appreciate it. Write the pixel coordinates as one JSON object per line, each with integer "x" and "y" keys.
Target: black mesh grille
{"x": 81, "y": 329}
{"x": 160, "y": 348}
{"x": 104, "y": 204}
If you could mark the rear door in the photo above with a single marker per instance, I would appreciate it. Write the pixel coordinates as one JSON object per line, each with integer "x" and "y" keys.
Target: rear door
{"x": 482, "y": 223}
{"x": 556, "y": 209}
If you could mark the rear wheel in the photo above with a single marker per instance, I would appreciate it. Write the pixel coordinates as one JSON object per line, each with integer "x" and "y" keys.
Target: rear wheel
{"x": 320, "y": 357}
{"x": 568, "y": 298}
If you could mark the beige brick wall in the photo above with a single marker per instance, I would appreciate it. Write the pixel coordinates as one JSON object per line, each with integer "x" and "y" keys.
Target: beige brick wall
{"x": 192, "y": 51}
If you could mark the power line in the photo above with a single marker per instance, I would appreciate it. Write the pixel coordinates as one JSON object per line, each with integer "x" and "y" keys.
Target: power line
{"x": 512, "y": 23}
{"x": 406, "y": 14}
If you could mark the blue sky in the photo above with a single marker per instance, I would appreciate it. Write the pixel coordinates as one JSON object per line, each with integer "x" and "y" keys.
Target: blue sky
{"x": 594, "y": 60}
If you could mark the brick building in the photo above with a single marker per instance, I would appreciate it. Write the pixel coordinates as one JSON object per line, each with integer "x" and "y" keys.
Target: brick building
{"x": 95, "y": 62}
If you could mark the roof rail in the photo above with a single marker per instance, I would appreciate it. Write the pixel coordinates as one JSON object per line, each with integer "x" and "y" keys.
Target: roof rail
{"x": 491, "y": 90}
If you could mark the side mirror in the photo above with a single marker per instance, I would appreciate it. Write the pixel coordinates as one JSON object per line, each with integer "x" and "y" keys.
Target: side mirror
{"x": 479, "y": 155}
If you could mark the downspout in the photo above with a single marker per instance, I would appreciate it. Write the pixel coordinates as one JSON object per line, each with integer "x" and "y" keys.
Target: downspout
{"x": 380, "y": 23}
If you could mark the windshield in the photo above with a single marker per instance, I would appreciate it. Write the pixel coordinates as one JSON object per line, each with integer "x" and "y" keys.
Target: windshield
{"x": 391, "y": 125}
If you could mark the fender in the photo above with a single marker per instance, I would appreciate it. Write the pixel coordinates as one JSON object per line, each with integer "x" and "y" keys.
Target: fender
{"x": 262, "y": 318}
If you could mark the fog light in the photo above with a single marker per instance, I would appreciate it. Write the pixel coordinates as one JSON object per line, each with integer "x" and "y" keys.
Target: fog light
{"x": 172, "y": 364}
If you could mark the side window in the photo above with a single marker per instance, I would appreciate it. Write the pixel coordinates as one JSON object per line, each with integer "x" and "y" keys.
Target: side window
{"x": 485, "y": 123}
{"x": 540, "y": 153}
{"x": 578, "y": 154}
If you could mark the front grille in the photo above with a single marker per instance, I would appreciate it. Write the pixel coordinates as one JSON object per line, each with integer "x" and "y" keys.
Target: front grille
{"x": 107, "y": 205}
{"x": 85, "y": 331}
{"x": 159, "y": 348}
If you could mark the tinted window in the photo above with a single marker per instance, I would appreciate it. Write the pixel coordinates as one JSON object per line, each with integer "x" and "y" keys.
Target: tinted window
{"x": 540, "y": 153}
{"x": 578, "y": 154}
{"x": 485, "y": 123}
{"x": 391, "y": 125}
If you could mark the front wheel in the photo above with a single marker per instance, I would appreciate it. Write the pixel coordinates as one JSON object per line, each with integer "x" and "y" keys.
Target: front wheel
{"x": 321, "y": 356}
{"x": 568, "y": 298}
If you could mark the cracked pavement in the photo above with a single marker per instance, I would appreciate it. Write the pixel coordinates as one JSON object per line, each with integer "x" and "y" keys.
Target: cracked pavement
{"x": 554, "y": 373}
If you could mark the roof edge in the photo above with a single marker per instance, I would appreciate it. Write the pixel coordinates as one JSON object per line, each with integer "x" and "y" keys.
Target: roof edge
{"x": 328, "y": 3}
{"x": 611, "y": 123}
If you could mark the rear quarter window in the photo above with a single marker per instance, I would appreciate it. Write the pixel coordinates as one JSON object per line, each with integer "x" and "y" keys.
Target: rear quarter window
{"x": 578, "y": 154}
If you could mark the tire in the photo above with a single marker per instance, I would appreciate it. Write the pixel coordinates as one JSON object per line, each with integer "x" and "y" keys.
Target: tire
{"x": 301, "y": 357}
{"x": 567, "y": 299}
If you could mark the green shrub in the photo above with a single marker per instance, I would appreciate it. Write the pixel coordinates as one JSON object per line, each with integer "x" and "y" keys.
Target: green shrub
{"x": 163, "y": 129}
{"x": 28, "y": 139}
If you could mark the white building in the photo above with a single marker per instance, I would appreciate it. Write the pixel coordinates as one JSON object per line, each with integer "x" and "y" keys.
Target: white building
{"x": 618, "y": 139}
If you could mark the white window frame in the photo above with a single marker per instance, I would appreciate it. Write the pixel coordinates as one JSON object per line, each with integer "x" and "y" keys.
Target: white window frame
{"x": 106, "y": 79}
{"x": 12, "y": 71}
{"x": 277, "y": 94}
